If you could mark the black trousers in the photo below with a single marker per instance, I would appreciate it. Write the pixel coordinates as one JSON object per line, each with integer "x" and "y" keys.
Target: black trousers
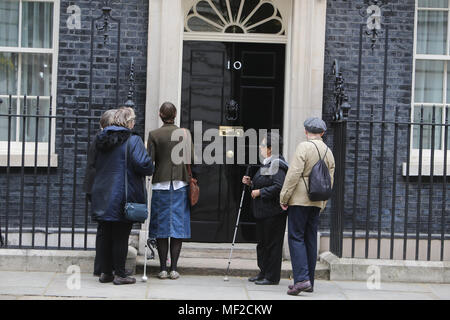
{"x": 113, "y": 246}
{"x": 270, "y": 236}
{"x": 98, "y": 239}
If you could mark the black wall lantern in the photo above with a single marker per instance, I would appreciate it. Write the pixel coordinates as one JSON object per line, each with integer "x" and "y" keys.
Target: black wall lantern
{"x": 106, "y": 16}
{"x": 341, "y": 106}
{"x": 102, "y": 24}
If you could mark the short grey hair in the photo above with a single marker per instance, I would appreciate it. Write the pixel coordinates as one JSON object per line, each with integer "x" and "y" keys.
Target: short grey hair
{"x": 107, "y": 118}
{"x": 124, "y": 117}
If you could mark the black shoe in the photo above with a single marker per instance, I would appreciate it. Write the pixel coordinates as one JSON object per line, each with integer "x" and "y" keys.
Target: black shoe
{"x": 105, "y": 278}
{"x": 256, "y": 278}
{"x": 127, "y": 272}
{"x": 265, "y": 282}
{"x": 291, "y": 286}
{"x": 97, "y": 274}
{"x": 119, "y": 280}
{"x": 299, "y": 287}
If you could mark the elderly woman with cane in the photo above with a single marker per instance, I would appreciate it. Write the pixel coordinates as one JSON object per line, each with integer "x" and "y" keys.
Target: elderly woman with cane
{"x": 266, "y": 185}
{"x": 121, "y": 159}
{"x": 303, "y": 213}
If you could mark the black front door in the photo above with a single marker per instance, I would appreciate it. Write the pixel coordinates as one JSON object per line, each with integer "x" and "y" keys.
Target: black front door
{"x": 233, "y": 85}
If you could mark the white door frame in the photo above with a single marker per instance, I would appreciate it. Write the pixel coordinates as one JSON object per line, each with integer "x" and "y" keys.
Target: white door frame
{"x": 305, "y": 50}
{"x": 305, "y": 47}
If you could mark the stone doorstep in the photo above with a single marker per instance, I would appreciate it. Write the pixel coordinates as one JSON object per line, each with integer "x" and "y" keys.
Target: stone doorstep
{"x": 53, "y": 260}
{"x": 347, "y": 269}
{"x": 60, "y": 260}
{"x": 218, "y": 267}
{"x": 218, "y": 250}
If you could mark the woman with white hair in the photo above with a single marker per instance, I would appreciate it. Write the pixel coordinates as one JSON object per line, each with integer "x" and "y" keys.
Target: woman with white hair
{"x": 119, "y": 153}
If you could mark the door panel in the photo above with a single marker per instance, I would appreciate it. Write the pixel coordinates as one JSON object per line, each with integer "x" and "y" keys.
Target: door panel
{"x": 215, "y": 73}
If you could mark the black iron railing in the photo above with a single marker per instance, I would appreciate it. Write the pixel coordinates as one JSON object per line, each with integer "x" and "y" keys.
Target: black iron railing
{"x": 391, "y": 164}
{"x": 395, "y": 190}
{"x": 41, "y": 190}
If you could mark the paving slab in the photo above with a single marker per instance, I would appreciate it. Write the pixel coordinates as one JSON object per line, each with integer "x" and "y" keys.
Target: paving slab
{"x": 7, "y": 297}
{"x": 91, "y": 287}
{"x": 22, "y": 283}
{"x": 387, "y": 295}
{"x": 200, "y": 281}
{"x": 385, "y": 286}
{"x": 442, "y": 291}
{"x": 195, "y": 292}
{"x": 25, "y": 279}
{"x": 56, "y": 298}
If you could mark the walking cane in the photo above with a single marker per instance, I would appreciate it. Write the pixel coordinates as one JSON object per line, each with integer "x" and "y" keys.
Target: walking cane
{"x": 144, "y": 277}
{"x": 148, "y": 245}
{"x": 235, "y": 228}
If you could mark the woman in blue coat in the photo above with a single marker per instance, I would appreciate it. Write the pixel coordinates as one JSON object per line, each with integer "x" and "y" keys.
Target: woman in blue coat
{"x": 108, "y": 191}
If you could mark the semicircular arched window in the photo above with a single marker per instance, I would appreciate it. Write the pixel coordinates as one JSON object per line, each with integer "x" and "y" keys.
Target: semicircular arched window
{"x": 235, "y": 16}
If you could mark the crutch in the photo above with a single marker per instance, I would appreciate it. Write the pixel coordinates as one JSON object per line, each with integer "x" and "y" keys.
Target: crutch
{"x": 148, "y": 245}
{"x": 235, "y": 228}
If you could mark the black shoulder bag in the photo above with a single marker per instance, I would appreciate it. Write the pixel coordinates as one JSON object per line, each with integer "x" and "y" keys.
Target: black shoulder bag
{"x": 135, "y": 212}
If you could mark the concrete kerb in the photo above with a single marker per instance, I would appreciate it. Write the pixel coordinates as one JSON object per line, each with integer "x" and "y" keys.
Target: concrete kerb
{"x": 347, "y": 269}
{"x": 54, "y": 260}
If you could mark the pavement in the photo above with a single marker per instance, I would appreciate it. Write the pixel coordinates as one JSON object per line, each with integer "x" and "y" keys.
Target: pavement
{"x": 53, "y": 285}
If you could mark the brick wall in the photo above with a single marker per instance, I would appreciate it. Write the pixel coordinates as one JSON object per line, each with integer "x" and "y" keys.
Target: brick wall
{"x": 73, "y": 98}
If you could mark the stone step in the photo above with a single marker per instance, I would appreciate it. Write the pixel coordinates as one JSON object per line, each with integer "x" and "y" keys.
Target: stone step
{"x": 218, "y": 266}
{"x": 218, "y": 250}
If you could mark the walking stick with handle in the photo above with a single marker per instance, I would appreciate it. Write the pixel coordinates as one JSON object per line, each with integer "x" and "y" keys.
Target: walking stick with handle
{"x": 236, "y": 227}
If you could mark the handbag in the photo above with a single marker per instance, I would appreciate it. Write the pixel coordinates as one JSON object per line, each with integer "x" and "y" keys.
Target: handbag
{"x": 135, "y": 212}
{"x": 194, "y": 189}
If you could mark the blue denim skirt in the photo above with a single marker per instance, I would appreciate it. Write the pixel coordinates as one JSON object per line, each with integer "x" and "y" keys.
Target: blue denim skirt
{"x": 170, "y": 215}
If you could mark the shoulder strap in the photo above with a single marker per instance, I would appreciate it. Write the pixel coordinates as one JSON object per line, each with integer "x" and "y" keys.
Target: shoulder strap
{"x": 188, "y": 166}
{"x": 320, "y": 158}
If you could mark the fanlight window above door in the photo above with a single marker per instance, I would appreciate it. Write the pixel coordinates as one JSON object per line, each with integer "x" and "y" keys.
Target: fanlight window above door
{"x": 235, "y": 16}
